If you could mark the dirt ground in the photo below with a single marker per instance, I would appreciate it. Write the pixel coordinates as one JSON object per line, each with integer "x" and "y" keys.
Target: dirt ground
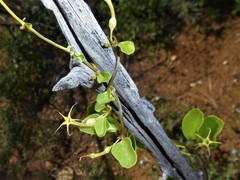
{"x": 202, "y": 71}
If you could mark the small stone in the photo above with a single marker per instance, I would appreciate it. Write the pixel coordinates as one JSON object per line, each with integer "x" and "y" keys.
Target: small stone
{"x": 48, "y": 165}
{"x": 155, "y": 98}
{"x": 225, "y": 63}
{"x": 173, "y": 58}
{"x": 237, "y": 109}
{"x": 13, "y": 160}
{"x": 233, "y": 152}
{"x": 192, "y": 84}
{"x": 199, "y": 82}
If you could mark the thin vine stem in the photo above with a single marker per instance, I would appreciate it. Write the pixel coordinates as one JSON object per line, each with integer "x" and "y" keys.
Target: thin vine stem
{"x": 120, "y": 114}
{"x": 110, "y": 5}
{"x": 25, "y": 25}
{"x": 31, "y": 29}
{"x": 48, "y": 40}
{"x": 117, "y": 98}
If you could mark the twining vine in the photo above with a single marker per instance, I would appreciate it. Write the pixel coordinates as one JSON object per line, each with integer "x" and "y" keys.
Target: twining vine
{"x": 200, "y": 131}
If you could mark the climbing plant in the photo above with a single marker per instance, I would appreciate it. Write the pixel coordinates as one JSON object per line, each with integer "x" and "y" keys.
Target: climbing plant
{"x": 200, "y": 131}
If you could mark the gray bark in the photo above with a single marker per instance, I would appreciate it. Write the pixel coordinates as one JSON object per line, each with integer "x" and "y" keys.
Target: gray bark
{"x": 84, "y": 34}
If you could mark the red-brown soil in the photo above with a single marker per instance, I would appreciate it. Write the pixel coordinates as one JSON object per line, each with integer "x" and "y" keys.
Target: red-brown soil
{"x": 204, "y": 72}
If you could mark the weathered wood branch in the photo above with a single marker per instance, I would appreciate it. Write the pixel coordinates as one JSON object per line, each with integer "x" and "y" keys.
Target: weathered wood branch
{"x": 84, "y": 34}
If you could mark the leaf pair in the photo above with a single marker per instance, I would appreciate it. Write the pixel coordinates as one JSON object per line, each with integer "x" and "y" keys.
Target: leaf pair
{"x": 202, "y": 129}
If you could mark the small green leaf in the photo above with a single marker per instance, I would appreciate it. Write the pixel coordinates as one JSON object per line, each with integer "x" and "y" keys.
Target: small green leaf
{"x": 127, "y": 47}
{"x": 79, "y": 57}
{"x": 112, "y": 124}
{"x": 111, "y": 127}
{"x": 214, "y": 125}
{"x": 87, "y": 130}
{"x": 103, "y": 77}
{"x": 100, "y": 126}
{"x": 125, "y": 154}
{"x": 99, "y": 107}
{"x": 191, "y": 123}
{"x": 105, "y": 97}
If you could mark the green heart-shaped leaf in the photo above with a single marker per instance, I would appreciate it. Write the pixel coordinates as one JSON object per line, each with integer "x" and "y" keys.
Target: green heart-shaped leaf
{"x": 105, "y": 97}
{"x": 191, "y": 123}
{"x": 127, "y": 47}
{"x": 100, "y": 126}
{"x": 111, "y": 127}
{"x": 125, "y": 154}
{"x": 102, "y": 99}
{"x": 99, "y": 107}
{"x": 87, "y": 130}
{"x": 112, "y": 124}
{"x": 103, "y": 77}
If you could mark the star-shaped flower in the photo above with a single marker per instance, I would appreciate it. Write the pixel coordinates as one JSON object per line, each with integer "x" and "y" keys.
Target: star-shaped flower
{"x": 68, "y": 120}
{"x": 206, "y": 142}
